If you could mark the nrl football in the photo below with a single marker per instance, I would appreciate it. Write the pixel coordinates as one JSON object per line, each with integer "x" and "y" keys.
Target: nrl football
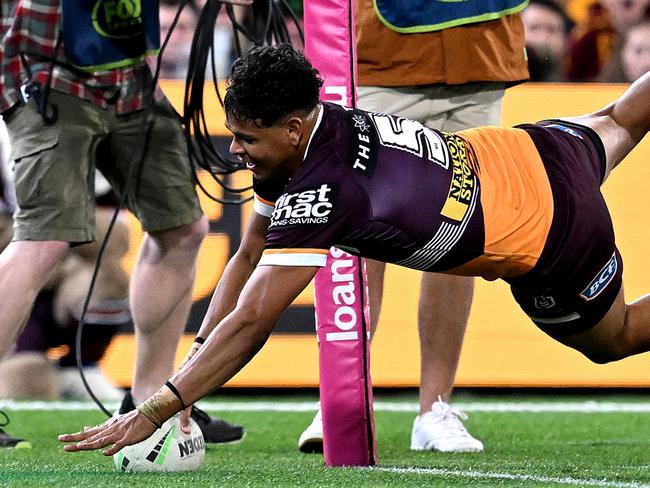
{"x": 168, "y": 449}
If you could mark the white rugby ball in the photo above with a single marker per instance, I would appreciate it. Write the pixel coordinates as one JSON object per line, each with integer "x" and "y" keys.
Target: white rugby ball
{"x": 168, "y": 449}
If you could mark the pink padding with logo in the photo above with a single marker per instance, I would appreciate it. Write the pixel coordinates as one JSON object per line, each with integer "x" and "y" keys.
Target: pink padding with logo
{"x": 329, "y": 28}
{"x": 342, "y": 318}
{"x": 342, "y": 312}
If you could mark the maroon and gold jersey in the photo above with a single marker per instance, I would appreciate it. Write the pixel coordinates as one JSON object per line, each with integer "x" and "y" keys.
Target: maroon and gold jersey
{"x": 523, "y": 204}
{"x": 390, "y": 189}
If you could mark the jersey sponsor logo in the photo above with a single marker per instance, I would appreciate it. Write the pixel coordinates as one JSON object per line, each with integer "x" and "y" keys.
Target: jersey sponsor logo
{"x": 410, "y": 136}
{"x": 305, "y": 207}
{"x": 364, "y": 155}
{"x": 463, "y": 181}
{"x": 602, "y": 279}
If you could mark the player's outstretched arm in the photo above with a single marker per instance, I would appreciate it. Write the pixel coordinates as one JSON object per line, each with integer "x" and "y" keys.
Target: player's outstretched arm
{"x": 234, "y": 342}
{"x": 236, "y": 273}
{"x": 232, "y": 281}
{"x": 230, "y": 346}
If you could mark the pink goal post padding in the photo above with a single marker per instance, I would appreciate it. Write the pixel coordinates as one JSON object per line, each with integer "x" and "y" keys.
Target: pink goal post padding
{"x": 342, "y": 311}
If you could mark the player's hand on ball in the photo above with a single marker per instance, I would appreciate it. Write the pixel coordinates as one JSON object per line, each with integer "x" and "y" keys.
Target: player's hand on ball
{"x": 119, "y": 432}
{"x": 185, "y": 420}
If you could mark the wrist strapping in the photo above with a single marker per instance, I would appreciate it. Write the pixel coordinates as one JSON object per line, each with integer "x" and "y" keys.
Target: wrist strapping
{"x": 160, "y": 406}
{"x": 175, "y": 391}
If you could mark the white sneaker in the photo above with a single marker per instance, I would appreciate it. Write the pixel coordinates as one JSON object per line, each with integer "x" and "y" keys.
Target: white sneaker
{"x": 73, "y": 388}
{"x": 311, "y": 440}
{"x": 441, "y": 430}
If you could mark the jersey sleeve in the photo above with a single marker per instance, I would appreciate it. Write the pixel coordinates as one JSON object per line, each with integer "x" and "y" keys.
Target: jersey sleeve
{"x": 306, "y": 223}
{"x": 266, "y": 194}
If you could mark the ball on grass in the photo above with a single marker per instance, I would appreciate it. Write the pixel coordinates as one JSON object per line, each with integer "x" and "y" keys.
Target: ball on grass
{"x": 168, "y": 449}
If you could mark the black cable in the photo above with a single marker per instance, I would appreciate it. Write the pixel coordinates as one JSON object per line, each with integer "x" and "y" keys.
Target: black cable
{"x": 202, "y": 151}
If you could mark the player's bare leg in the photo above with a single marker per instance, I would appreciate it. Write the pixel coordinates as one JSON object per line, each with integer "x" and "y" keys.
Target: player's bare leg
{"x": 623, "y": 332}
{"x": 625, "y": 329}
{"x": 623, "y": 123}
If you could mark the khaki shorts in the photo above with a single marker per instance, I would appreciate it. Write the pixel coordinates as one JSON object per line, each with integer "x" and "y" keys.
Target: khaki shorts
{"x": 448, "y": 108}
{"x": 54, "y": 168}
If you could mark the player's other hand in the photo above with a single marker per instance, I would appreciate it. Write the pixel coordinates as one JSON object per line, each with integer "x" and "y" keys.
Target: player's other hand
{"x": 118, "y": 432}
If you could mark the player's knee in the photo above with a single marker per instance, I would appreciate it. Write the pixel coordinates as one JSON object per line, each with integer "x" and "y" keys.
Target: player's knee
{"x": 610, "y": 352}
{"x": 28, "y": 375}
{"x": 185, "y": 237}
{"x": 38, "y": 256}
{"x": 601, "y": 357}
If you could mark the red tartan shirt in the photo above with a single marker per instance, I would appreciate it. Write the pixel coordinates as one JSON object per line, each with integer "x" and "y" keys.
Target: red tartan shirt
{"x": 32, "y": 27}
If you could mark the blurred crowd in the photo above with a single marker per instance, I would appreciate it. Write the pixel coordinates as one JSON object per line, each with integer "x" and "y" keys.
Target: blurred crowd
{"x": 588, "y": 40}
{"x": 567, "y": 40}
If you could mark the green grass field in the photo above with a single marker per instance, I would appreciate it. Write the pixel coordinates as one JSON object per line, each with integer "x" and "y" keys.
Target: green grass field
{"x": 523, "y": 448}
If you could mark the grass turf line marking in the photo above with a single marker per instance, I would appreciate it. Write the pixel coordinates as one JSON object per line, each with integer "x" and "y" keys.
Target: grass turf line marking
{"x": 509, "y": 476}
{"x": 270, "y": 406}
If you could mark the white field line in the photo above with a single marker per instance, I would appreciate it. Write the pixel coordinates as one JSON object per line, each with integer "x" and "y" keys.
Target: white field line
{"x": 380, "y": 406}
{"x": 509, "y": 476}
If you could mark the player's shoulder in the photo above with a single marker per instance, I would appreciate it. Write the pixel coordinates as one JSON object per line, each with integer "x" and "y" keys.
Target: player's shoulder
{"x": 269, "y": 190}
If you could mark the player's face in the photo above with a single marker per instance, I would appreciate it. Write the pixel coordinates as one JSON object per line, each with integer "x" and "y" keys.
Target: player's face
{"x": 268, "y": 152}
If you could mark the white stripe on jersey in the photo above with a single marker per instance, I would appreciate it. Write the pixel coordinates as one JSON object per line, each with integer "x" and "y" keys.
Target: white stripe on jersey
{"x": 293, "y": 259}
{"x": 261, "y": 208}
{"x": 443, "y": 241}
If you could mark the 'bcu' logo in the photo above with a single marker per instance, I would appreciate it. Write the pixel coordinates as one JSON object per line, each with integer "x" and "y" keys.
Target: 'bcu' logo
{"x": 602, "y": 279}
{"x": 118, "y": 19}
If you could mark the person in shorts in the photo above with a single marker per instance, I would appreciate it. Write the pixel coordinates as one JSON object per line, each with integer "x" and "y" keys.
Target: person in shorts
{"x": 74, "y": 100}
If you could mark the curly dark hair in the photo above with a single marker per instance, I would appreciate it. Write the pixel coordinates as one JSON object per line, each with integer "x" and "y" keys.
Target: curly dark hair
{"x": 270, "y": 83}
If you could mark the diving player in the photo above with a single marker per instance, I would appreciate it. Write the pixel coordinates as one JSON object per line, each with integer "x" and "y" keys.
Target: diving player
{"x": 521, "y": 204}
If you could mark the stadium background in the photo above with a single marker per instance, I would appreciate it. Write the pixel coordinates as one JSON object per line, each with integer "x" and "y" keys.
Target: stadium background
{"x": 502, "y": 347}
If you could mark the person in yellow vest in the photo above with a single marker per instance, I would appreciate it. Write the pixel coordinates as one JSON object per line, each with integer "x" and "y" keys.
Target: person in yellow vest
{"x": 446, "y": 67}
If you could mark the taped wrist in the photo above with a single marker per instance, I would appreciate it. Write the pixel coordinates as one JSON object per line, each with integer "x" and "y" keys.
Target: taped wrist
{"x": 160, "y": 406}
{"x": 175, "y": 391}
